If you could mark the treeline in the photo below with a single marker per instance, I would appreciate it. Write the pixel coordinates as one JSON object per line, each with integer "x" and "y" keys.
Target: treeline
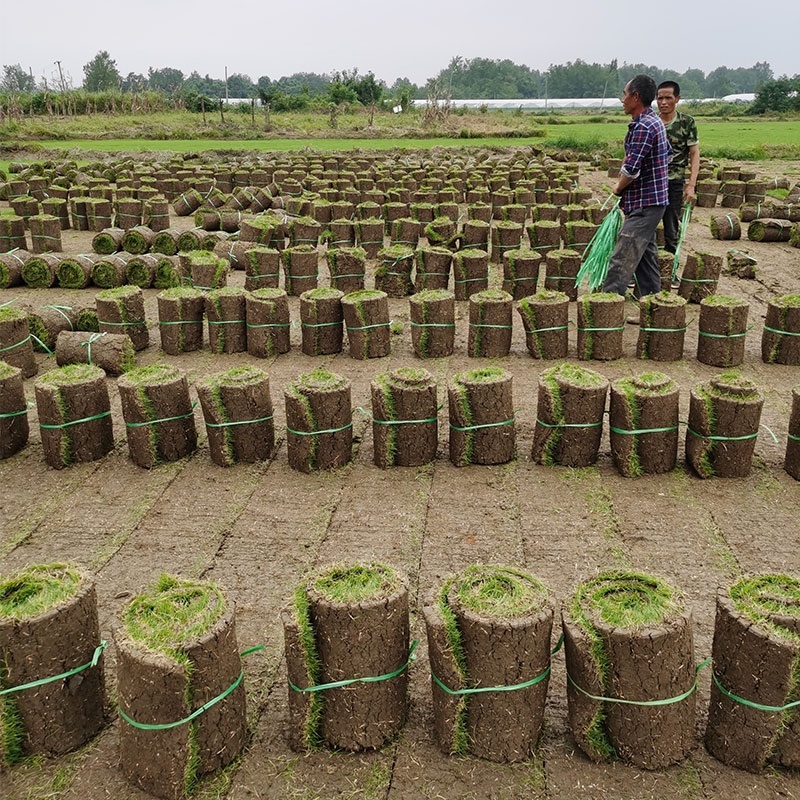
{"x": 104, "y": 89}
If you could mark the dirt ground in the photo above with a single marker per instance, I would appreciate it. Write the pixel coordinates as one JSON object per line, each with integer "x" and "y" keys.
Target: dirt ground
{"x": 257, "y": 529}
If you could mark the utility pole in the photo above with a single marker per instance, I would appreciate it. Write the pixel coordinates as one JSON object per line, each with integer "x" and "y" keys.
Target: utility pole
{"x": 61, "y": 77}
{"x": 226, "y": 84}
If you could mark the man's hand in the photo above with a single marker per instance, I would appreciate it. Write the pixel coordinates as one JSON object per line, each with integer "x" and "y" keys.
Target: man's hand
{"x": 689, "y": 195}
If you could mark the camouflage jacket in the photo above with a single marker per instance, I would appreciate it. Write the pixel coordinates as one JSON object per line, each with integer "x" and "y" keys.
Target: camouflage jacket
{"x": 682, "y": 134}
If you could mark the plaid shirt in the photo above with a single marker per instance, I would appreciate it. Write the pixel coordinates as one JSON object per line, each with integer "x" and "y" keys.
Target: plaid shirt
{"x": 647, "y": 157}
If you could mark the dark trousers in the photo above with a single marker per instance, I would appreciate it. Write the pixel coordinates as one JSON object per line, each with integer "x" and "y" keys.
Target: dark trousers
{"x": 636, "y": 255}
{"x": 672, "y": 215}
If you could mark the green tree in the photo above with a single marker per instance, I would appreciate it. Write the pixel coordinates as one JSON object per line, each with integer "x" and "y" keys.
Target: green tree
{"x": 777, "y": 96}
{"x": 15, "y": 79}
{"x": 240, "y": 85}
{"x": 134, "y": 82}
{"x": 101, "y": 73}
{"x": 166, "y": 79}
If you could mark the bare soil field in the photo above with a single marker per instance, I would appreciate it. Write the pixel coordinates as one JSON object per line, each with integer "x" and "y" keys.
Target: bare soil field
{"x": 258, "y": 529}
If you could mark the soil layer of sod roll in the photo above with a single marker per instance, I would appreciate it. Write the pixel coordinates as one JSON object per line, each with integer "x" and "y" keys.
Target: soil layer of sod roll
{"x": 322, "y": 321}
{"x": 393, "y": 273}
{"x": 319, "y": 421}
{"x": 481, "y": 410}
{"x": 662, "y": 327}
{"x": 366, "y": 318}
{"x": 700, "y": 276}
{"x": 405, "y": 424}
{"x": 262, "y": 268}
{"x": 75, "y": 272}
{"x": 780, "y": 340}
{"x": 791, "y": 461}
{"x": 724, "y": 417}
{"x": 490, "y": 324}
{"x": 237, "y": 407}
{"x": 267, "y": 315}
{"x": 121, "y": 310}
{"x": 369, "y": 233}
{"x": 489, "y": 627}
{"x": 722, "y": 330}
{"x": 545, "y": 318}
{"x": 628, "y": 636}
{"x": 725, "y": 227}
{"x": 39, "y": 272}
{"x": 14, "y": 427}
{"x": 433, "y": 325}
{"x": 433, "y": 268}
{"x": 176, "y": 651}
{"x": 112, "y": 352}
{"x": 108, "y": 241}
{"x": 141, "y": 270}
{"x": 521, "y": 272}
{"x": 769, "y": 230}
{"x": 601, "y": 324}
{"x": 16, "y": 345}
{"x": 110, "y": 271}
{"x": 347, "y": 267}
{"x": 226, "y": 313}
{"x": 569, "y": 416}
{"x": 180, "y": 319}
{"x": 643, "y": 424}
{"x": 206, "y": 270}
{"x": 347, "y": 622}
{"x": 470, "y": 273}
{"x": 562, "y": 271}
{"x": 49, "y": 627}
{"x": 11, "y": 265}
{"x": 756, "y": 657}
{"x": 45, "y": 233}
{"x": 301, "y": 268}
{"x": 158, "y": 414}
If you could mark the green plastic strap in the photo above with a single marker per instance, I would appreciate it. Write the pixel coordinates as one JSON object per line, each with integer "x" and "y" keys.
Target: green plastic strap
{"x": 18, "y": 344}
{"x": 369, "y": 679}
{"x": 664, "y": 330}
{"x": 366, "y": 327}
{"x": 793, "y": 437}
{"x": 157, "y": 421}
{"x": 238, "y": 422}
{"x": 98, "y": 651}
{"x": 61, "y": 310}
{"x": 265, "y": 275}
{"x": 320, "y": 324}
{"x": 268, "y": 324}
{"x": 317, "y": 433}
{"x": 125, "y": 324}
{"x": 471, "y": 280}
{"x": 722, "y": 335}
{"x": 88, "y": 344}
{"x": 486, "y": 425}
{"x": 667, "y": 701}
{"x": 531, "y": 278}
{"x": 643, "y": 430}
{"x": 783, "y": 333}
{"x": 750, "y": 703}
{"x": 619, "y": 328}
{"x": 699, "y": 280}
{"x": 348, "y": 275}
{"x": 8, "y": 414}
{"x": 75, "y": 421}
{"x": 486, "y": 325}
{"x": 722, "y": 438}
{"x": 569, "y": 424}
{"x": 163, "y": 726}
{"x": 432, "y": 324}
{"x": 226, "y": 321}
{"x": 403, "y": 421}
{"x": 181, "y": 322}
{"x": 541, "y": 330}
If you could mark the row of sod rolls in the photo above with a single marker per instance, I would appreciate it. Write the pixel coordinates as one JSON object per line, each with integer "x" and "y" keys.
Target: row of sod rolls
{"x": 631, "y": 673}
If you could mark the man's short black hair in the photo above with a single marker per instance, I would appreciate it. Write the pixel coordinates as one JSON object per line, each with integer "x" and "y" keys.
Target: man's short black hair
{"x": 676, "y": 90}
{"x": 645, "y": 87}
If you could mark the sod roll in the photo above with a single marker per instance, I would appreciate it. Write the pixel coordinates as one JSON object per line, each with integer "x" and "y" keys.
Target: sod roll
{"x": 722, "y": 330}
{"x": 662, "y": 327}
{"x": 700, "y": 276}
{"x": 268, "y": 323}
{"x": 226, "y": 317}
{"x": 180, "y": 319}
{"x": 321, "y": 321}
{"x": 769, "y": 230}
{"x": 791, "y": 461}
{"x": 601, "y": 325}
{"x": 393, "y": 273}
{"x": 16, "y": 346}
{"x": 112, "y": 352}
{"x": 780, "y": 339}
{"x": 366, "y": 319}
{"x": 14, "y": 427}
{"x": 490, "y": 324}
{"x": 11, "y": 265}
{"x": 121, "y": 310}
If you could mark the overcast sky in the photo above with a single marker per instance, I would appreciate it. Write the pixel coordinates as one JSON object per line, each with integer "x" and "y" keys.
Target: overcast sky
{"x": 404, "y": 38}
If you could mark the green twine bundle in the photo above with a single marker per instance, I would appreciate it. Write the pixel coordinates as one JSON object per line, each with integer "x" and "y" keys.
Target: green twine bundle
{"x": 598, "y": 252}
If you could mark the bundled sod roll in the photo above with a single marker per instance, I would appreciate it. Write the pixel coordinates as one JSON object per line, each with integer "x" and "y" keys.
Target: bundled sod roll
{"x": 319, "y": 424}
{"x": 752, "y": 720}
{"x": 108, "y": 241}
{"x": 405, "y": 231}
{"x": 121, "y": 310}
{"x": 166, "y": 242}
{"x": 707, "y": 193}
{"x": 235, "y": 253}
{"x": 180, "y": 319}
{"x": 489, "y": 633}
{"x": 11, "y": 265}
{"x": 177, "y": 652}
{"x": 206, "y": 270}
{"x": 780, "y": 340}
{"x": 304, "y": 230}
{"x": 643, "y": 424}
{"x": 521, "y": 272}
{"x": 569, "y": 416}
{"x": 441, "y": 232}
{"x": 506, "y": 235}
{"x": 46, "y": 322}
{"x": 662, "y": 327}
{"x": 187, "y": 203}
{"x": 321, "y": 321}
{"x": 561, "y": 272}
{"x": 334, "y": 608}
{"x": 138, "y": 240}
{"x": 16, "y": 346}
{"x": 226, "y": 312}
{"x": 129, "y": 213}
{"x": 190, "y": 240}
{"x": 628, "y": 637}
{"x": 14, "y": 427}
{"x": 769, "y": 230}
{"x": 49, "y": 632}
{"x": 369, "y": 234}
{"x": 475, "y": 234}
{"x": 168, "y": 273}
{"x": 725, "y": 227}
{"x": 366, "y": 317}
{"x": 723, "y": 327}
{"x": 155, "y": 214}
{"x": 141, "y": 270}
{"x": 347, "y": 267}
{"x": 791, "y": 462}
{"x": 237, "y": 407}
{"x": 724, "y": 417}
{"x": 405, "y": 425}
{"x": 433, "y": 268}
{"x": 12, "y": 233}
{"x": 301, "y": 268}
{"x": 393, "y": 273}
{"x": 267, "y": 319}
{"x": 490, "y": 324}
{"x": 601, "y": 324}
{"x": 470, "y": 273}
{"x": 482, "y": 425}
{"x": 158, "y": 414}
{"x": 112, "y": 352}
{"x": 700, "y": 276}
{"x": 45, "y": 233}
{"x": 39, "y": 272}
{"x": 75, "y": 272}
{"x": 110, "y": 271}
{"x": 545, "y": 318}
{"x": 433, "y": 326}
{"x": 74, "y": 414}
{"x": 733, "y": 192}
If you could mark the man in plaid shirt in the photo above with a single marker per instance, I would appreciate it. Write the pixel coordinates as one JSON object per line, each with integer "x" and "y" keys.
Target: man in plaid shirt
{"x": 642, "y": 185}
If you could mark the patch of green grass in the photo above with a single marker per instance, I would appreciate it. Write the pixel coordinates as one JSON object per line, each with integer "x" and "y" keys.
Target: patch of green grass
{"x": 500, "y": 592}
{"x": 356, "y": 583}
{"x": 37, "y": 589}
